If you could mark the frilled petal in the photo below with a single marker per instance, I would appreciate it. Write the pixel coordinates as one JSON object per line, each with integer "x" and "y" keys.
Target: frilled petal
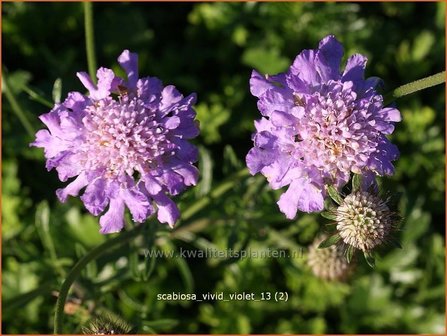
{"x": 51, "y": 145}
{"x": 301, "y": 195}
{"x": 264, "y": 140}
{"x": 380, "y": 160}
{"x": 257, "y": 159}
{"x": 355, "y": 68}
{"x": 391, "y": 114}
{"x": 52, "y": 120}
{"x": 263, "y": 124}
{"x": 328, "y": 58}
{"x": 151, "y": 184}
{"x": 276, "y": 171}
{"x": 113, "y": 220}
{"x": 95, "y": 196}
{"x": 107, "y": 83}
{"x": 295, "y": 83}
{"x": 279, "y": 118}
{"x": 75, "y": 101}
{"x": 304, "y": 67}
{"x": 275, "y": 100}
{"x": 169, "y": 96}
{"x": 67, "y": 165}
{"x": 138, "y": 204}
{"x": 259, "y": 84}
{"x": 149, "y": 89}
{"x": 167, "y": 209}
{"x": 171, "y": 123}
{"x": 72, "y": 188}
{"x": 186, "y": 151}
{"x": 172, "y": 181}
{"x": 188, "y": 172}
{"x": 129, "y": 62}
{"x": 188, "y": 129}
{"x": 86, "y": 81}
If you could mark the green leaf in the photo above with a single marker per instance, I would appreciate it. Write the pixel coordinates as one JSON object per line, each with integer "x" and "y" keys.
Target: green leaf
{"x": 356, "y": 182}
{"x": 149, "y": 266}
{"x": 134, "y": 266}
{"x": 350, "y": 253}
{"x": 185, "y": 273}
{"x": 369, "y": 259}
{"x": 162, "y": 324}
{"x": 57, "y": 91}
{"x": 206, "y": 170}
{"x": 334, "y": 194}
{"x": 331, "y": 227}
{"x": 329, "y": 215}
{"x": 330, "y": 241}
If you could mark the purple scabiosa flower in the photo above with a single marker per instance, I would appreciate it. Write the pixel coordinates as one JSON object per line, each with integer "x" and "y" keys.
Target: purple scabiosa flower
{"x": 126, "y": 143}
{"x": 318, "y": 125}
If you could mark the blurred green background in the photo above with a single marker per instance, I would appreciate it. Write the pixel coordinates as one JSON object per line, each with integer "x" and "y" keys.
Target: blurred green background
{"x": 211, "y": 48}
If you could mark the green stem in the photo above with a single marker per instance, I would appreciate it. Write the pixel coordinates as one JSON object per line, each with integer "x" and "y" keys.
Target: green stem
{"x": 17, "y": 109}
{"x": 74, "y": 273}
{"x": 415, "y": 86}
{"x": 90, "y": 39}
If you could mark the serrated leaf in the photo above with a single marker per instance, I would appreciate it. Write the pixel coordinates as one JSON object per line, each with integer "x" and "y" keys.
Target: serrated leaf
{"x": 334, "y": 194}
{"x": 356, "y": 182}
{"x": 57, "y": 91}
{"x": 329, "y": 215}
{"x": 330, "y": 241}
{"x": 370, "y": 260}
{"x": 350, "y": 253}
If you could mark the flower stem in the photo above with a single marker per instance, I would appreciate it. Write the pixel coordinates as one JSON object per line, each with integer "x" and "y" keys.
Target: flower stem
{"x": 415, "y": 86}
{"x": 74, "y": 273}
{"x": 89, "y": 39}
{"x": 16, "y": 108}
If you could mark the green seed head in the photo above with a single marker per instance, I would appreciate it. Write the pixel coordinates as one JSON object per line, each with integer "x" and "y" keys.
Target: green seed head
{"x": 364, "y": 220}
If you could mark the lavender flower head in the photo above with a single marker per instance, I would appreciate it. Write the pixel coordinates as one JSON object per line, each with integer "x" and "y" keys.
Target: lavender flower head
{"x": 318, "y": 125}
{"x": 126, "y": 143}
